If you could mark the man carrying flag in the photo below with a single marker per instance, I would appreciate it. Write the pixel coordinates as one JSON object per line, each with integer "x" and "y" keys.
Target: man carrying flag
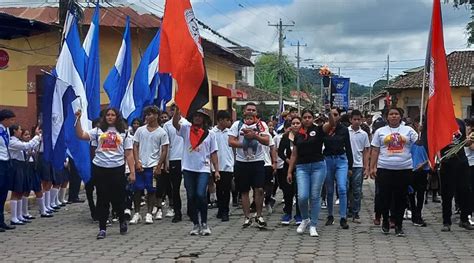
{"x": 181, "y": 54}
{"x": 454, "y": 167}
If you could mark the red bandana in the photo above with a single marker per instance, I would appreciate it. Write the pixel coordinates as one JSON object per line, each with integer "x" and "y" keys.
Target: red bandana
{"x": 195, "y": 136}
{"x": 303, "y": 132}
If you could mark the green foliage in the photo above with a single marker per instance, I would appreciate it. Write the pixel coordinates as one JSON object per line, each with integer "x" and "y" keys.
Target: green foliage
{"x": 266, "y": 73}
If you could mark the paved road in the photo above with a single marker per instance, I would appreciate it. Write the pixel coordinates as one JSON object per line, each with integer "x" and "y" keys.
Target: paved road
{"x": 70, "y": 236}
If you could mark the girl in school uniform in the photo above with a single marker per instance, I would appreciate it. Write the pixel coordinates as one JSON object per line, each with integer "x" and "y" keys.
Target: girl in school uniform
{"x": 19, "y": 184}
{"x": 34, "y": 180}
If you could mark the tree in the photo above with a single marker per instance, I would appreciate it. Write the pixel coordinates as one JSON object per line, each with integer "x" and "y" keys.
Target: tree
{"x": 470, "y": 25}
{"x": 266, "y": 73}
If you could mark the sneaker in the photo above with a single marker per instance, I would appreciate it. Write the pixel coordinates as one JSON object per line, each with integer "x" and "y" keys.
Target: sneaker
{"x": 247, "y": 222}
{"x": 313, "y": 232}
{"x": 377, "y": 221}
{"x": 302, "y": 227}
{"x": 159, "y": 214}
{"x": 176, "y": 219}
{"x": 115, "y": 219}
{"x": 169, "y": 213}
{"x": 471, "y": 221}
{"x": 466, "y": 225}
{"x": 195, "y": 231}
{"x": 343, "y": 223}
{"x": 155, "y": 209}
{"x": 386, "y": 227}
{"x": 225, "y": 217}
{"x": 123, "y": 228}
{"x": 135, "y": 219}
{"x": 399, "y": 231}
{"x": 356, "y": 219}
{"x": 205, "y": 230}
{"x": 260, "y": 222}
{"x": 102, "y": 234}
{"x": 149, "y": 218}
{"x": 407, "y": 214}
{"x": 219, "y": 214}
{"x": 419, "y": 222}
{"x": 298, "y": 220}
{"x": 108, "y": 222}
{"x": 337, "y": 202}
{"x": 285, "y": 219}
{"x": 330, "y": 221}
{"x": 446, "y": 228}
{"x": 128, "y": 214}
{"x": 324, "y": 205}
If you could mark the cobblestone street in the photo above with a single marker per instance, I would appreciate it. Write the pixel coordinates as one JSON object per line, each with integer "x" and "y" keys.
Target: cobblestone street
{"x": 70, "y": 236}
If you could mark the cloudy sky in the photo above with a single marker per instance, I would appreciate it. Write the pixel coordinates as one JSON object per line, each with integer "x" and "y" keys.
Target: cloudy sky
{"x": 353, "y": 35}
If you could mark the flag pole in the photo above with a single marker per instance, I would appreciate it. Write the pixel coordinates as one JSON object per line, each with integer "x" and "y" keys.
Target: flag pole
{"x": 422, "y": 103}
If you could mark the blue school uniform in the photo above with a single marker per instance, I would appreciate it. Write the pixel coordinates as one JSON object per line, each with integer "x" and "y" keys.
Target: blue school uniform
{"x": 5, "y": 170}
{"x": 35, "y": 182}
{"x": 20, "y": 181}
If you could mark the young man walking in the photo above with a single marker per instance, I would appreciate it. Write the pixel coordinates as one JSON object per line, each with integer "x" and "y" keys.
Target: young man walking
{"x": 249, "y": 171}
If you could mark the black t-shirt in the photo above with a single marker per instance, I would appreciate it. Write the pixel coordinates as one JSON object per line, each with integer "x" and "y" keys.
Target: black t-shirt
{"x": 339, "y": 143}
{"x": 310, "y": 147}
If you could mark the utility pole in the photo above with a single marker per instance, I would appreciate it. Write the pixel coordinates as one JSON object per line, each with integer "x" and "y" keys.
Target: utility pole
{"x": 280, "y": 27}
{"x": 298, "y": 59}
{"x": 388, "y": 69}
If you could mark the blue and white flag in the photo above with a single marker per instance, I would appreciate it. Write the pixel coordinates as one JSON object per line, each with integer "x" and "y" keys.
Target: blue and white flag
{"x": 92, "y": 68}
{"x": 118, "y": 79}
{"x": 340, "y": 92}
{"x": 164, "y": 91}
{"x": 144, "y": 89}
{"x": 65, "y": 91}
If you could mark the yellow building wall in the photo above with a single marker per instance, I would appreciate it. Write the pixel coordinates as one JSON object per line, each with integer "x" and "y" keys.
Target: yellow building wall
{"x": 456, "y": 94}
{"x": 13, "y": 80}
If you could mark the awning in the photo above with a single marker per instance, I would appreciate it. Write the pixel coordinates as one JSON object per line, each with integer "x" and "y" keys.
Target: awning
{"x": 242, "y": 94}
{"x": 225, "y": 92}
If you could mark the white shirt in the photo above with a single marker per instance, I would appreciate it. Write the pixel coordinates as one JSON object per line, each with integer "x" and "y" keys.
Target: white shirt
{"x": 235, "y": 131}
{"x": 149, "y": 145}
{"x": 225, "y": 154}
{"x": 359, "y": 141}
{"x": 175, "y": 151}
{"x": 111, "y": 146}
{"x": 267, "y": 157}
{"x": 3, "y": 147}
{"x": 276, "y": 141}
{"x": 469, "y": 155}
{"x": 395, "y": 145}
{"x": 18, "y": 148}
{"x": 198, "y": 159}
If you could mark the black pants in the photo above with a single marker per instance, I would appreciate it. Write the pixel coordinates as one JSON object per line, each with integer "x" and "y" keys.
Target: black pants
{"x": 393, "y": 186}
{"x": 289, "y": 191}
{"x": 268, "y": 187}
{"x": 90, "y": 186}
{"x": 377, "y": 202}
{"x": 471, "y": 175}
{"x": 74, "y": 182}
{"x": 223, "y": 189}
{"x": 110, "y": 184}
{"x": 175, "y": 177}
{"x": 419, "y": 181}
{"x": 455, "y": 179}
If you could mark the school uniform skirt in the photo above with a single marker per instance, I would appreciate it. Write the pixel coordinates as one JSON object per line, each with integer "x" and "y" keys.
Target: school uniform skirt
{"x": 44, "y": 169}
{"x": 60, "y": 176}
{"x": 20, "y": 182}
{"x": 35, "y": 179}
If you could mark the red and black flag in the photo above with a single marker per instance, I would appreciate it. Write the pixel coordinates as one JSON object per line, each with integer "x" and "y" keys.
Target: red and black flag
{"x": 181, "y": 54}
{"x": 440, "y": 123}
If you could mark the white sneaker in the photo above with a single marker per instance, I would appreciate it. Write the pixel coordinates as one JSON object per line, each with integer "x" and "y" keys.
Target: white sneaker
{"x": 471, "y": 221}
{"x": 169, "y": 213}
{"x": 135, "y": 219}
{"x": 148, "y": 218}
{"x": 159, "y": 214}
{"x": 195, "y": 231}
{"x": 313, "y": 232}
{"x": 155, "y": 209}
{"x": 337, "y": 202}
{"x": 408, "y": 214}
{"x": 205, "y": 230}
{"x": 302, "y": 227}
{"x": 128, "y": 212}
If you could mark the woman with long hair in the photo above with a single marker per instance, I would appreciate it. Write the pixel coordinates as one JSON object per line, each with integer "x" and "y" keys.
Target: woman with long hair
{"x": 114, "y": 146}
{"x": 307, "y": 156}
{"x": 391, "y": 163}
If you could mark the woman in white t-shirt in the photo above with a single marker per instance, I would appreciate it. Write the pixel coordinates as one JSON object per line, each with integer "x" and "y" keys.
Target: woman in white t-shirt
{"x": 391, "y": 162}
{"x": 200, "y": 149}
{"x": 114, "y": 146}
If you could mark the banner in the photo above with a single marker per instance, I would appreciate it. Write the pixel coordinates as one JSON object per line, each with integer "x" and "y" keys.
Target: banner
{"x": 340, "y": 92}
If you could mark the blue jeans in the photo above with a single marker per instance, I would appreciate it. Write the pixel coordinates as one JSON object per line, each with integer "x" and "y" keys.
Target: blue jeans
{"x": 337, "y": 168}
{"x": 355, "y": 182}
{"x": 196, "y": 186}
{"x": 310, "y": 179}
